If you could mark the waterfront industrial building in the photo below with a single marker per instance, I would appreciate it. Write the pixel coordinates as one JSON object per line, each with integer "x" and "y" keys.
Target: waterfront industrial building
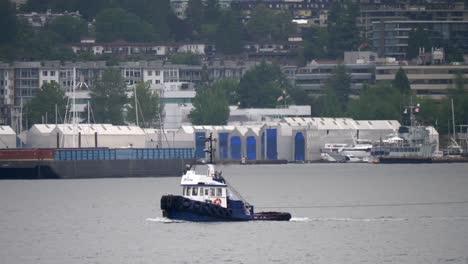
{"x": 291, "y": 138}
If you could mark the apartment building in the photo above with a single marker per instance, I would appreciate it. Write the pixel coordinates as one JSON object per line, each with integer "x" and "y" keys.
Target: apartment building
{"x": 40, "y": 20}
{"x": 403, "y": 10}
{"x": 21, "y": 81}
{"x": 427, "y": 80}
{"x": 312, "y": 78}
{"x": 390, "y": 38}
{"x": 6, "y": 92}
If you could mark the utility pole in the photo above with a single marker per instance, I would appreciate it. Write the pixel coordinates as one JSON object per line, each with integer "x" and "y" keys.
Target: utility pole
{"x": 136, "y": 104}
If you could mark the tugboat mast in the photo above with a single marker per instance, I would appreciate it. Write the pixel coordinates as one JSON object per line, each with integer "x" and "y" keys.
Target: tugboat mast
{"x": 210, "y": 149}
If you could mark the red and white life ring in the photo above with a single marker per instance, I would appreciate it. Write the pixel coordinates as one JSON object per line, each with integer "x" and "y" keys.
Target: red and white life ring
{"x": 217, "y": 201}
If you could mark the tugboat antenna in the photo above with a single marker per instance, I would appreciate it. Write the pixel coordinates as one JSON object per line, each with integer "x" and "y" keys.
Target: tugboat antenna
{"x": 210, "y": 149}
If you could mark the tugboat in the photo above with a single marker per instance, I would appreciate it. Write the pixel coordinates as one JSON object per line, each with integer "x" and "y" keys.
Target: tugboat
{"x": 209, "y": 198}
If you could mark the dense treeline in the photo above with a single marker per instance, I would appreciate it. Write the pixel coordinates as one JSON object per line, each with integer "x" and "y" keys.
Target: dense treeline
{"x": 389, "y": 100}
{"x": 153, "y": 20}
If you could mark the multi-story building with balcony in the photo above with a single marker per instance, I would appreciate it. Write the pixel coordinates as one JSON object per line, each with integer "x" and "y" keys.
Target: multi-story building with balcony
{"x": 312, "y": 78}
{"x": 40, "y": 20}
{"x": 390, "y": 38}
{"x": 408, "y": 10}
{"x": 21, "y": 81}
{"x": 425, "y": 80}
{"x": 6, "y": 92}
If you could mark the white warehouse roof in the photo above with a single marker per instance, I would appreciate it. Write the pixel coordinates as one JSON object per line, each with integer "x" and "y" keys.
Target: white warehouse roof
{"x": 6, "y": 130}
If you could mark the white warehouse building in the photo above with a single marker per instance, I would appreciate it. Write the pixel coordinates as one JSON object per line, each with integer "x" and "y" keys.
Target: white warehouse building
{"x": 7, "y": 137}
{"x": 85, "y": 136}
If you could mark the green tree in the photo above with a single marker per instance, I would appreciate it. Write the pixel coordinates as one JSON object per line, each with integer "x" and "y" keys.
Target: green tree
{"x": 315, "y": 43}
{"x": 342, "y": 29}
{"x": 7, "y": 22}
{"x": 108, "y": 98}
{"x": 180, "y": 29}
{"x": 459, "y": 94}
{"x": 41, "y": 108}
{"x": 230, "y": 87}
{"x": 376, "y": 102}
{"x": 401, "y": 82}
{"x": 330, "y": 104}
{"x": 418, "y": 38}
{"x": 266, "y": 24}
{"x": 148, "y": 106}
{"x": 432, "y": 113}
{"x": 262, "y": 86}
{"x": 260, "y": 23}
{"x": 229, "y": 33}
{"x": 69, "y": 28}
{"x": 340, "y": 83}
{"x": 117, "y": 24}
{"x": 155, "y": 12}
{"x": 194, "y": 13}
{"x": 212, "y": 11}
{"x": 188, "y": 58}
{"x": 210, "y": 107}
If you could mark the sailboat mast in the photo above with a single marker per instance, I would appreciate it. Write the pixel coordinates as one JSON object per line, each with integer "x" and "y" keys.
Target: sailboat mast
{"x": 453, "y": 121}
{"x": 136, "y": 104}
{"x": 74, "y": 106}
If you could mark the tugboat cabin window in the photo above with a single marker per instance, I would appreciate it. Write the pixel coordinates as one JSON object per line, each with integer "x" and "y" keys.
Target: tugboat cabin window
{"x": 212, "y": 191}
{"x": 206, "y": 192}
{"x": 219, "y": 192}
{"x": 188, "y": 191}
{"x": 201, "y": 191}
{"x": 194, "y": 191}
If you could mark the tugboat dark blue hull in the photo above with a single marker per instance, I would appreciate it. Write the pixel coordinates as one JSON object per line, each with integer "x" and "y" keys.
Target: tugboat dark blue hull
{"x": 180, "y": 208}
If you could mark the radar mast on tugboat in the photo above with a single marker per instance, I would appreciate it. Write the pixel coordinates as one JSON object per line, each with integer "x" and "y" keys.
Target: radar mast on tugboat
{"x": 207, "y": 198}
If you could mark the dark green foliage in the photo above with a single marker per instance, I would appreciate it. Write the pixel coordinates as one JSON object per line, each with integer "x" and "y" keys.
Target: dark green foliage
{"x": 229, "y": 86}
{"x": 459, "y": 94}
{"x": 188, "y": 58}
{"x": 155, "y": 12}
{"x": 68, "y": 28}
{"x": 7, "y": 22}
{"x": 212, "y": 11}
{"x": 210, "y": 106}
{"x": 117, "y": 24}
{"x": 262, "y": 86}
{"x": 108, "y": 98}
{"x": 376, "y": 103}
{"x": 180, "y": 30}
{"x": 418, "y": 38}
{"x": 266, "y": 24}
{"x": 342, "y": 29}
{"x": 229, "y": 33}
{"x": 401, "y": 82}
{"x": 43, "y": 104}
{"x": 315, "y": 43}
{"x": 195, "y": 14}
{"x": 340, "y": 83}
{"x": 148, "y": 107}
{"x": 330, "y": 105}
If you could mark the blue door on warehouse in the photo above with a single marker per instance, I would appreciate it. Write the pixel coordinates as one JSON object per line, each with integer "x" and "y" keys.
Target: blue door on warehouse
{"x": 251, "y": 148}
{"x": 223, "y": 146}
{"x": 236, "y": 148}
{"x": 271, "y": 144}
{"x": 299, "y": 147}
{"x": 200, "y": 145}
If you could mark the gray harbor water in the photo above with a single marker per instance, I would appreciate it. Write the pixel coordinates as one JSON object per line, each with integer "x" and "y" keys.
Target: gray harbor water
{"x": 342, "y": 213}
